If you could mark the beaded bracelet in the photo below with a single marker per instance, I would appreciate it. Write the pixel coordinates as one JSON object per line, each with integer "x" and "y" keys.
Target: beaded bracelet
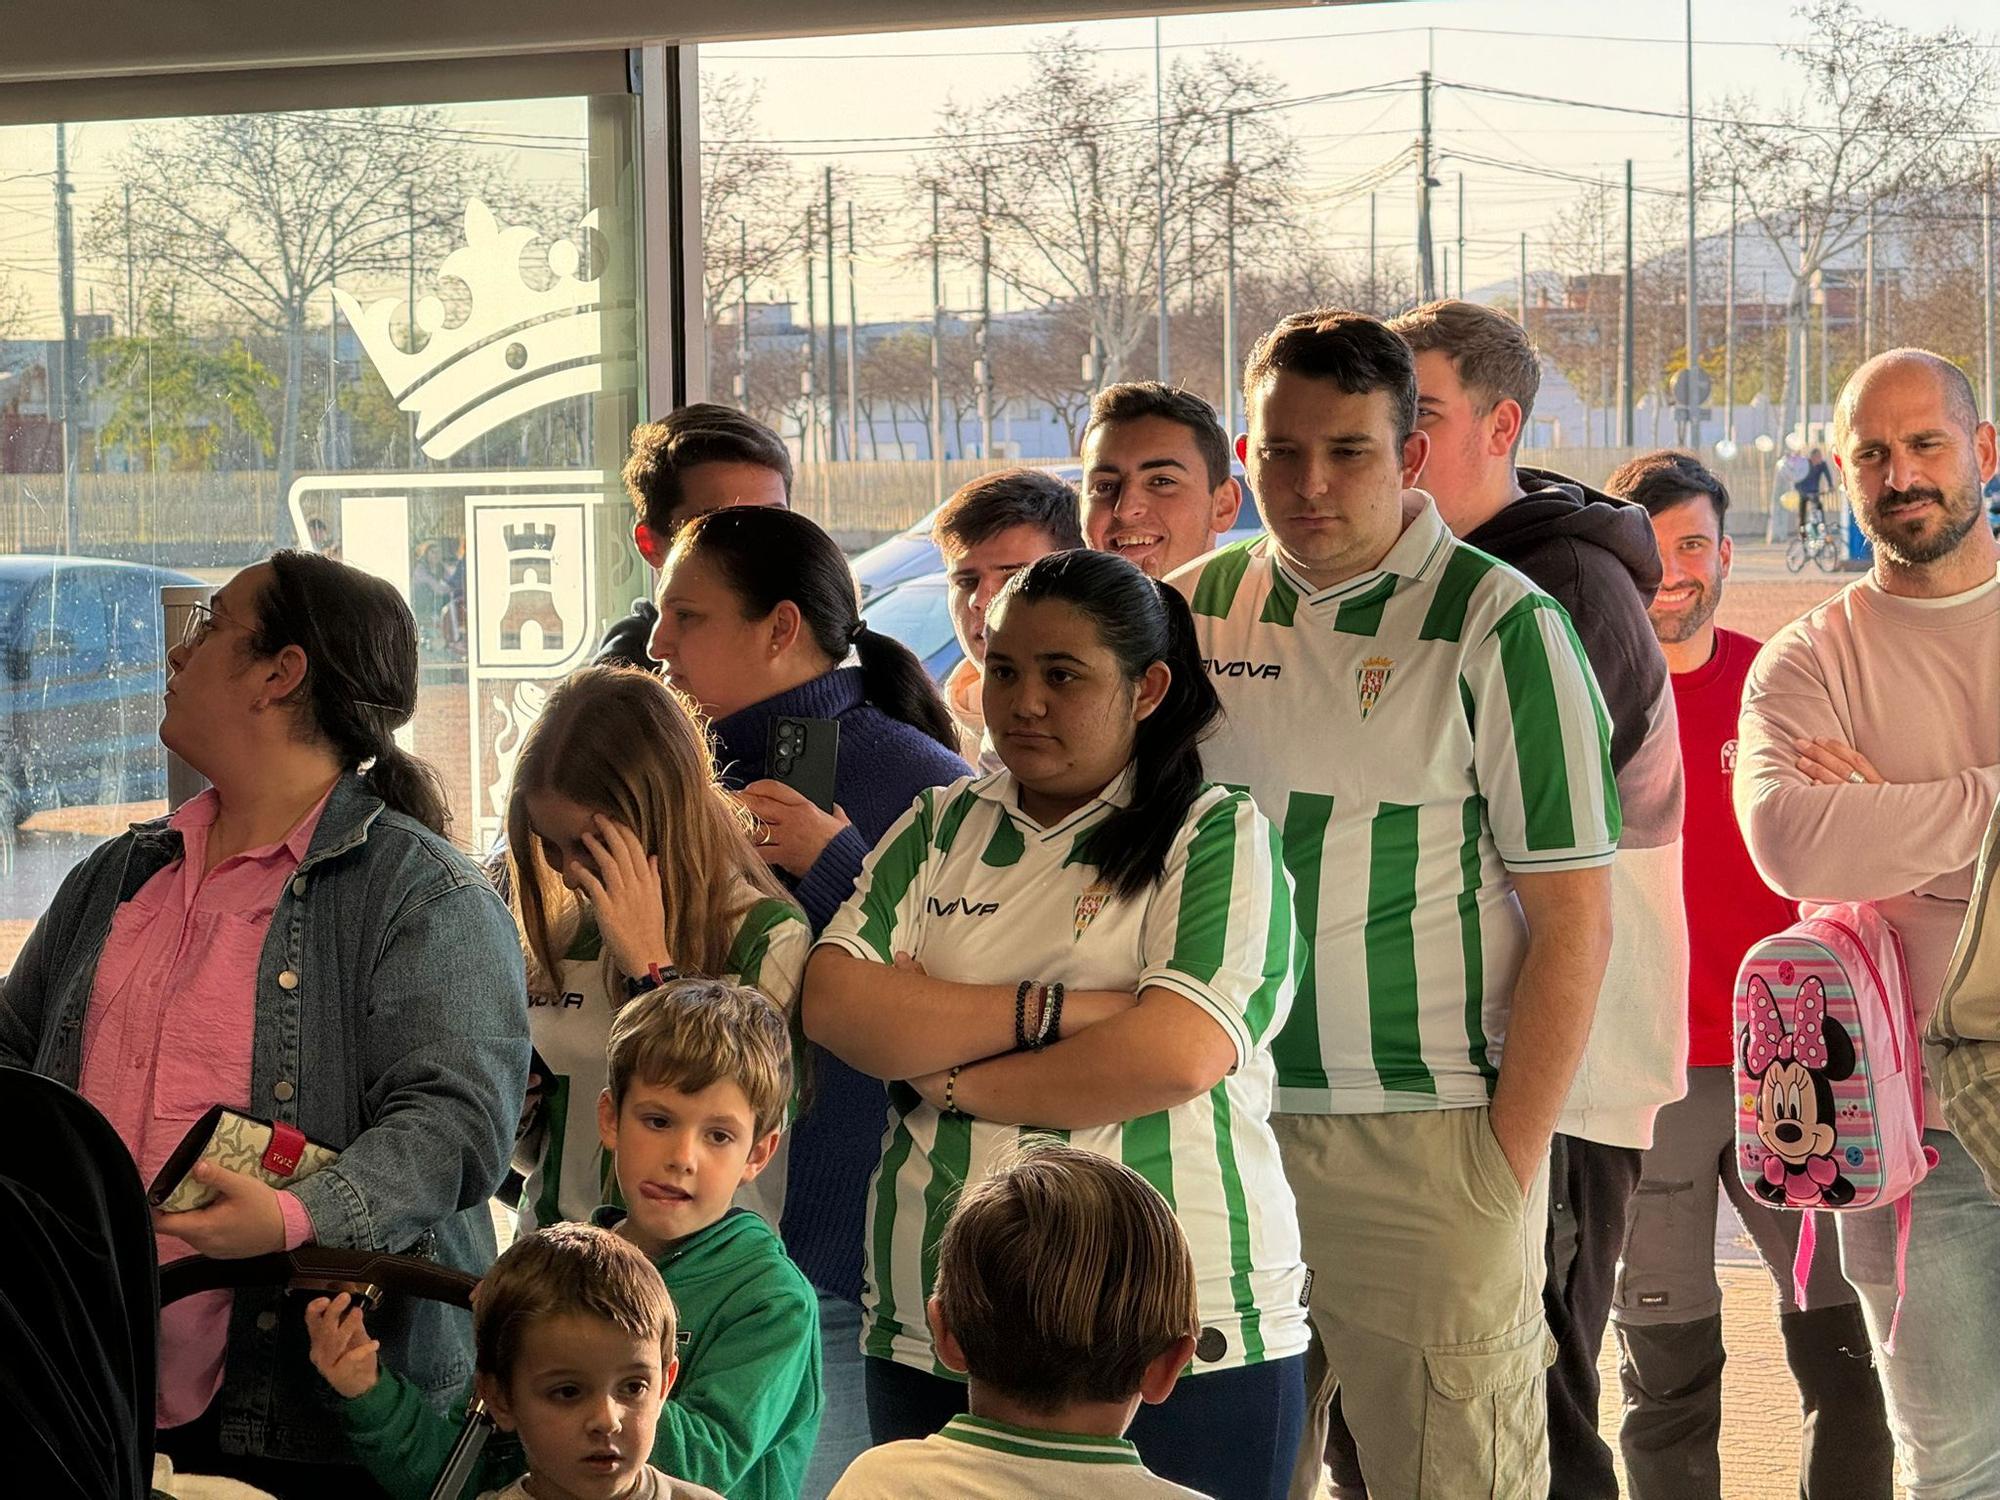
{"x": 951, "y": 1092}
{"x": 1051, "y": 1029}
{"x": 1021, "y": 1014}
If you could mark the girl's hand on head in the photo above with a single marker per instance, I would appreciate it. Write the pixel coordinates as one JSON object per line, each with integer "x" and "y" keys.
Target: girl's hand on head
{"x": 793, "y": 831}
{"x": 341, "y": 1351}
{"x": 624, "y": 894}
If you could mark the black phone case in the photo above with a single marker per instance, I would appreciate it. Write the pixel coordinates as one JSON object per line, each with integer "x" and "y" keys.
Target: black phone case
{"x": 802, "y": 754}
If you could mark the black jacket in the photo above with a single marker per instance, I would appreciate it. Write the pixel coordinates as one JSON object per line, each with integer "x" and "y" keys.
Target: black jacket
{"x": 624, "y": 644}
{"x": 1597, "y": 556}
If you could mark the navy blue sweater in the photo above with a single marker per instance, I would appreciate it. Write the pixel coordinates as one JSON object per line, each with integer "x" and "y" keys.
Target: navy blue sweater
{"x": 883, "y": 764}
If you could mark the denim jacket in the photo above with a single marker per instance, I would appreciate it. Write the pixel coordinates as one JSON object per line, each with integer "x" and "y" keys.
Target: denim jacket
{"x": 392, "y": 1025}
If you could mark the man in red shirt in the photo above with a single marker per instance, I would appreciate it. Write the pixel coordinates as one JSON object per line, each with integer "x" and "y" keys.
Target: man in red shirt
{"x": 1667, "y": 1307}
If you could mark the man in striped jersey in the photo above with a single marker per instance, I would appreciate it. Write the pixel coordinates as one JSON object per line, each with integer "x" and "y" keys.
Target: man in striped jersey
{"x": 1477, "y": 376}
{"x": 1421, "y": 724}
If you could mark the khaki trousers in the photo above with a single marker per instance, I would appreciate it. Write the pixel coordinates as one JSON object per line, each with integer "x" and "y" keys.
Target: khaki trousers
{"x": 1426, "y": 1304}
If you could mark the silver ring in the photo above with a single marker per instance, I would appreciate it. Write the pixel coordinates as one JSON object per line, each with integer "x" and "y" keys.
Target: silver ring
{"x": 1857, "y": 778}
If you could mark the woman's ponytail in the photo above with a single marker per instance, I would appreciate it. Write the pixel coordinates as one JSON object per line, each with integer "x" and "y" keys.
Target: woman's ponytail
{"x": 409, "y": 785}
{"x": 360, "y": 643}
{"x": 1140, "y": 621}
{"x": 895, "y": 681}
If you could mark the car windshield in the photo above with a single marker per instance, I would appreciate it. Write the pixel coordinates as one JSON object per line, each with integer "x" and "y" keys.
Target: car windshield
{"x": 915, "y": 614}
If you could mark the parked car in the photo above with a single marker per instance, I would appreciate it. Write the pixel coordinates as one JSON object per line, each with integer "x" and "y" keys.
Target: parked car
{"x": 83, "y": 656}
{"x": 912, "y": 554}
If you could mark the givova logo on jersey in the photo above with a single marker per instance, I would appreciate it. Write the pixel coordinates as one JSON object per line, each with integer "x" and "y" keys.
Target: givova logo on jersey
{"x": 1242, "y": 668}
{"x": 961, "y": 906}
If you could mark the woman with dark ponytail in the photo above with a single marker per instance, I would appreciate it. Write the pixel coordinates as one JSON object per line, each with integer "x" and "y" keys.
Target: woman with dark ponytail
{"x": 1096, "y": 941}
{"x": 759, "y": 619}
{"x": 298, "y": 943}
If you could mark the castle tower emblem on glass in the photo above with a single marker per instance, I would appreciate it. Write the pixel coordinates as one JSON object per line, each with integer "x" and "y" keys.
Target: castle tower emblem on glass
{"x": 531, "y": 596}
{"x": 517, "y": 347}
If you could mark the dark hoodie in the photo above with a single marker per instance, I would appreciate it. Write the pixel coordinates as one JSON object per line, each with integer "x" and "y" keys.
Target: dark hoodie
{"x": 624, "y": 644}
{"x": 1597, "y": 556}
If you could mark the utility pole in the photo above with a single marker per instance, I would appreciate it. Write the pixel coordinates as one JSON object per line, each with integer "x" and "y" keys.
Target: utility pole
{"x": 131, "y": 289}
{"x": 1160, "y": 195}
{"x": 66, "y": 382}
{"x": 811, "y": 387}
{"x": 1461, "y": 240}
{"x": 1691, "y": 431}
{"x": 1868, "y": 286}
{"x": 742, "y": 313}
{"x": 1729, "y": 327}
{"x": 1372, "y": 309}
{"x": 985, "y": 360}
{"x": 1626, "y": 394}
{"x": 832, "y": 318}
{"x": 1230, "y": 373}
{"x": 1445, "y": 280}
{"x": 1986, "y": 276}
{"x": 332, "y": 346}
{"x": 937, "y": 348}
{"x": 410, "y": 220}
{"x": 853, "y": 328}
{"x": 1095, "y": 375}
{"x": 1426, "y": 282}
{"x": 1524, "y": 281}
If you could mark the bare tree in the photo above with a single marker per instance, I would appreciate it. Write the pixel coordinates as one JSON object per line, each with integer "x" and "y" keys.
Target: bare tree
{"x": 261, "y": 211}
{"x": 1040, "y": 361}
{"x": 1887, "y": 114}
{"x": 13, "y": 307}
{"x": 1065, "y": 168}
{"x": 752, "y": 209}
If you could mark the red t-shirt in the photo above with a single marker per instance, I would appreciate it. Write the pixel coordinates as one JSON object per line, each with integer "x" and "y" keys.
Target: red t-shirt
{"x": 1728, "y": 905}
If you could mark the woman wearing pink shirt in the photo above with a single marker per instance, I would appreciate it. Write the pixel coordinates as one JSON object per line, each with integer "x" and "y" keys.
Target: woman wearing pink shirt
{"x": 299, "y": 943}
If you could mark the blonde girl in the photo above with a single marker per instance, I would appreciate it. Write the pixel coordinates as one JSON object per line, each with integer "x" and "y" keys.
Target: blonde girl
{"x": 628, "y": 862}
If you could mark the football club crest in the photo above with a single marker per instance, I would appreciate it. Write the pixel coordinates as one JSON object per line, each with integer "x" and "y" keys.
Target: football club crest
{"x": 1372, "y": 678}
{"x": 1088, "y": 905}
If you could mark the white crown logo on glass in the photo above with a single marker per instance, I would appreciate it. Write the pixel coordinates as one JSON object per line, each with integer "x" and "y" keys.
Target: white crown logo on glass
{"x": 518, "y": 348}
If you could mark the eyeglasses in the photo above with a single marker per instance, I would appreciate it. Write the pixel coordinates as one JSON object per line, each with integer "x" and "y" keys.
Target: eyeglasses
{"x": 202, "y": 622}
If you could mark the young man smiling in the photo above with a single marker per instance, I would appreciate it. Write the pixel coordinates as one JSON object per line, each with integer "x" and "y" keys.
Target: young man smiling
{"x": 1477, "y": 376}
{"x": 1668, "y": 1307}
{"x": 1432, "y": 747}
{"x": 1157, "y": 489}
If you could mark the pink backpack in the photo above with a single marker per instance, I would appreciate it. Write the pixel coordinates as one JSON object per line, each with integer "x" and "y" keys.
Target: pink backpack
{"x": 1829, "y": 1074}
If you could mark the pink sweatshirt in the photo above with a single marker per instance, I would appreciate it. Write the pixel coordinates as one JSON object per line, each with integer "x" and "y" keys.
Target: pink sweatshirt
{"x": 170, "y": 1031}
{"x": 1914, "y": 685}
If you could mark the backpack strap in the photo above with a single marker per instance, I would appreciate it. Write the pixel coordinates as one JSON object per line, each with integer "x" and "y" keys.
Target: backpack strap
{"x": 1803, "y": 1259}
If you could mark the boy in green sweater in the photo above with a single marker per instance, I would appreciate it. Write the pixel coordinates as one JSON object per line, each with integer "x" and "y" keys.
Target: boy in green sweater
{"x": 701, "y": 1076}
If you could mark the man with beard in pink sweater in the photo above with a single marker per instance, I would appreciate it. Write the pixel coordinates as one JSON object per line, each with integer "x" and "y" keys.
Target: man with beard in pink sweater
{"x": 1868, "y": 765}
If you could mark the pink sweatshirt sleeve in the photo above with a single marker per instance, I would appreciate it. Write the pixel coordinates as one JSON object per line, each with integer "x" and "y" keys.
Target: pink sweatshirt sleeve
{"x": 298, "y": 1223}
{"x": 1851, "y": 842}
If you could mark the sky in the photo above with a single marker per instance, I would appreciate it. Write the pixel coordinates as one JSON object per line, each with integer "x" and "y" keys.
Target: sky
{"x": 862, "y": 102}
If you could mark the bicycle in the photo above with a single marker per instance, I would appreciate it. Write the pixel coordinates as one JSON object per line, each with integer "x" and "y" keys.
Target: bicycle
{"x": 1815, "y": 543}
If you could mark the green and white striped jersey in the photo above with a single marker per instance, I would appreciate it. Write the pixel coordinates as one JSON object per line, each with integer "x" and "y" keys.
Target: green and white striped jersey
{"x": 569, "y": 1173}
{"x": 978, "y": 892}
{"x": 1417, "y": 733}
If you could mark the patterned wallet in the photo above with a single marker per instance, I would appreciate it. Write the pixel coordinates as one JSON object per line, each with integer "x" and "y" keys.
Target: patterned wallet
{"x": 278, "y": 1153}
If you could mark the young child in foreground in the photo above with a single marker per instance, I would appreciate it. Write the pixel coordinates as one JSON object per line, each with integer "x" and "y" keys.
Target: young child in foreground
{"x": 701, "y": 1077}
{"x": 573, "y": 1333}
{"x": 1066, "y": 1296}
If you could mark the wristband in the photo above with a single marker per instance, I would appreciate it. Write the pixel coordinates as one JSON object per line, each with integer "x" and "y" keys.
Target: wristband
{"x": 951, "y": 1092}
{"x": 1021, "y": 1041}
{"x": 652, "y": 979}
{"x": 1052, "y": 1016}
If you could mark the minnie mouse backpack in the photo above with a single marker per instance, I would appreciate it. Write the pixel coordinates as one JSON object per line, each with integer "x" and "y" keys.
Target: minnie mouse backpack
{"x": 1829, "y": 1075}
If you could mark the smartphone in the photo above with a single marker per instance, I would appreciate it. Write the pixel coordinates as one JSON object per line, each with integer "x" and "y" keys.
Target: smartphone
{"x": 802, "y": 754}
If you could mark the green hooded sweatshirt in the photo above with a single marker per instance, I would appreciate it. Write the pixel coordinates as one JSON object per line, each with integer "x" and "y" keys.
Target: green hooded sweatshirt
{"x": 743, "y": 1414}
